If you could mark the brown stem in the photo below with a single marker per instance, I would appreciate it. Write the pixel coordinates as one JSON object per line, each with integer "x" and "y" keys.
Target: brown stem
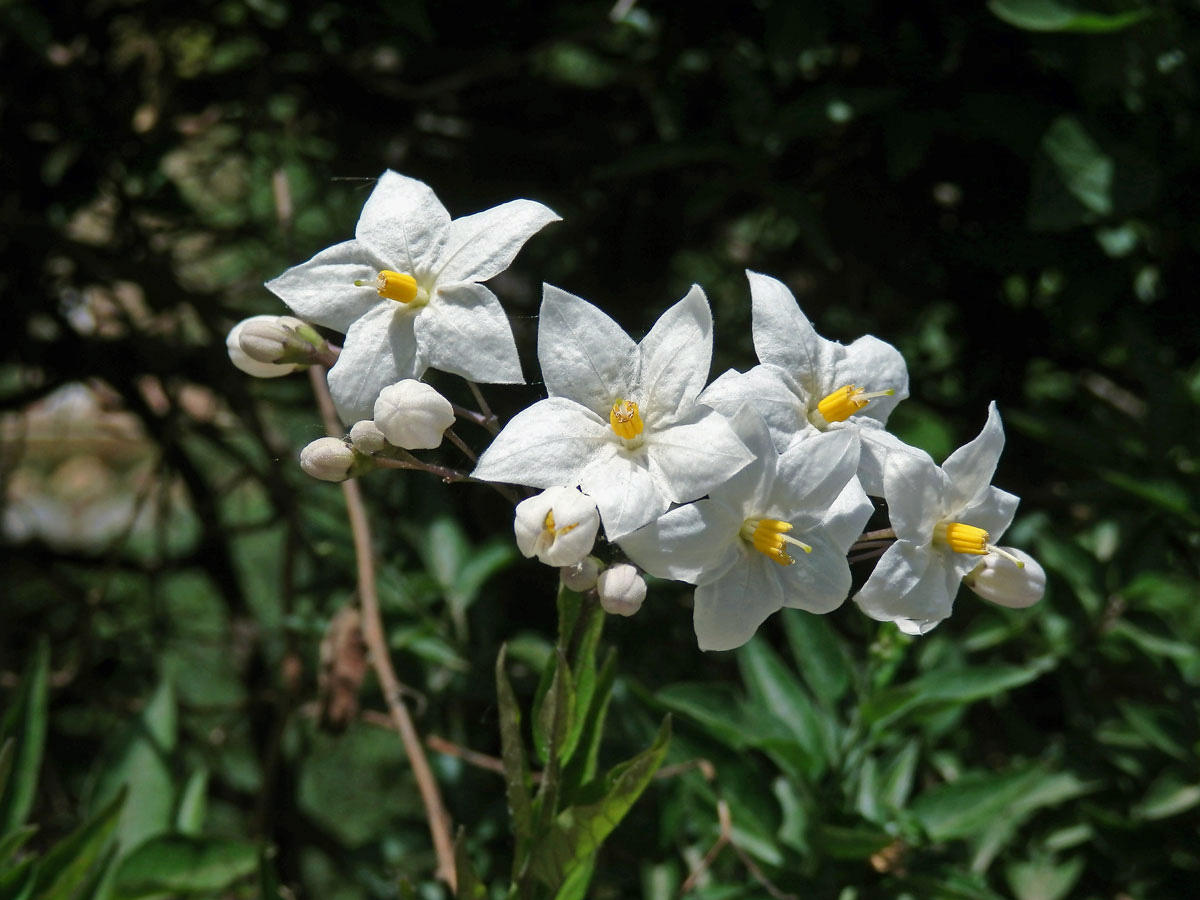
{"x": 461, "y": 445}
{"x": 877, "y": 535}
{"x": 490, "y": 422}
{"x": 477, "y": 418}
{"x": 870, "y": 554}
{"x": 381, "y": 661}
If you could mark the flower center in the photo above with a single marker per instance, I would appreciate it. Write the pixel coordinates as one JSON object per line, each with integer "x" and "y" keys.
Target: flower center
{"x": 962, "y": 538}
{"x": 846, "y": 401}
{"x": 550, "y": 532}
{"x": 625, "y": 419}
{"x": 768, "y": 537}
{"x": 396, "y": 286}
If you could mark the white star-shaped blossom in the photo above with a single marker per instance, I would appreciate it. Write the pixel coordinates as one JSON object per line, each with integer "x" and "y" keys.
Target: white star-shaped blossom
{"x": 621, "y": 422}
{"x": 773, "y": 536}
{"x": 406, "y": 292}
{"x": 802, "y": 373}
{"x": 946, "y": 520}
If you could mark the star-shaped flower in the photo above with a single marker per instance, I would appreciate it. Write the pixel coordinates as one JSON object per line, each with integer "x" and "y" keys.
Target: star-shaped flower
{"x": 808, "y": 384}
{"x": 774, "y": 535}
{"x": 946, "y": 519}
{"x": 405, "y": 292}
{"x": 621, "y": 420}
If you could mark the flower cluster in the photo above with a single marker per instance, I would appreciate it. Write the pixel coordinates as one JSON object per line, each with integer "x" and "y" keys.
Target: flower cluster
{"x": 755, "y": 488}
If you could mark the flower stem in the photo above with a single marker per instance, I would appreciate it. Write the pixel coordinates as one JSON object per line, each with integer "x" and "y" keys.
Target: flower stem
{"x": 881, "y": 534}
{"x": 461, "y": 445}
{"x": 476, "y": 418}
{"x": 490, "y": 422}
{"x": 372, "y": 625}
{"x": 870, "y": 554}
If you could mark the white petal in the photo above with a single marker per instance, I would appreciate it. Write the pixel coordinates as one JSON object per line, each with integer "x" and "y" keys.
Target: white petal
{"x": 695, "y": 456}
{"x": 464, "y": 331}
{"x": 873, "y": 365}
{"x": 909, "y": 582}
{"x": 729, "y": 610}
{"x": 547, "y": 445}
{"x": 484, "y": 245}
{"x": 625, "y": 492}
{"x": 772, "y": 392}
{"x": 404, "y": 223}
{"x": 783, "y": 335}
{"x": 817, "y": 582}
{"x": 322, "y": 290}
{"x": 675, "y": 358}
{"x": 695, "y": 543}
{"x": 847, "y": 516}
{"x": 877, "y": 443}
{"x": 812, "y": 473}
{"x": 993, "y": 511}
{"x": 380, "y": 350}
{"x": 584, "y": 354}
{"x": 915, "y": 490}
{"x": 971, "y": 466}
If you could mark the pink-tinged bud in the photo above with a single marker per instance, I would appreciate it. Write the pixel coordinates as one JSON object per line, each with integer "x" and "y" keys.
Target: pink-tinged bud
{"x": 413, "y": 415}
{"x": 582, "y": 576}
{"x": 999, "y": 578}
{"x": 622, "y": 589}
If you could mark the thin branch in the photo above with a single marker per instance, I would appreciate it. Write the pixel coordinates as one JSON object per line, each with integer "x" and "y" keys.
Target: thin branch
{"x": 474, "y": 417}
{"x": 490, "y": 422}
{"x": 372, "y": 626}
{"x": 461, "y": 445}
{"x": 879, "y": 535}
{"x": 871, "y": 545}
{"x": 870, "y": 554}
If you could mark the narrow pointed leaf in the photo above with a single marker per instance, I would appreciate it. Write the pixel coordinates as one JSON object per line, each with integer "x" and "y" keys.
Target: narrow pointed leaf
{"x": 469, "y": 885}
{"x": 190, "y": 818}
{"x": 25, "y": 724}
{"x": 70, "y": 862}
{"x": 512, "y": 751}
{"x": 181, "y": 864}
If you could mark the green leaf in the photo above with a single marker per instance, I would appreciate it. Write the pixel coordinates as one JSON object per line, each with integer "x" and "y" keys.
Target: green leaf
{"x": 973, "y": 803}
{"x": 482, "y": 563}
{"x": 777, "y": 690}
{"x": 18, "y": 883}
{"x": 1085, "y": 169}
{"x": 469, "y": 885}
{"x": 820, "y": 654}
{"x": 583, "y": 764}
{"x": 190, "y": 818}
{"x": 579, "y": 830}
{"x": 137, "y": 762}
{"x": 25, "y": 724}
{"x": 182, "y": 864}
{"x": 895, "y": 784}
{"x": 72, "y": 861}
{"x": 1053, "y": 15}
{"x": 950, "y": 686}
{"x": 1044, "y": 879}
{"x": 576, "y": 884}
{"x": 852, "y": 843}
{"x": 715, "y": 707}
{"x": 268, "y": 881}
{"x": 556, "y": 714}
{"x": 512, "y": 751}
{"x": 1168, "y": 796}
{"x": 13, "y": 841}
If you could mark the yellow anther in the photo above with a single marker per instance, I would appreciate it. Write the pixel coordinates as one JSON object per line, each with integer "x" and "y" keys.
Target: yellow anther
{"x": 846, "y": 401}
{"x": 548, "y": 522}
{"x": 396, "y": 286}
{"x": 769, "y": 536}
{"x": 625, "y": 420}
{"x": 962, "y": 538}
{"x": 549, "y": 528}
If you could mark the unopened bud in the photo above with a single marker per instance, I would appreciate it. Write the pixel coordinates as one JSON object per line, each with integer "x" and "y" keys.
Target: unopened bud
{"x": 280, "y": 339}
{"x": 332, "y": 459}
{"x": 367, "y": 438}
{"x": 622, "y": 589}
{"x": 582, "y": 576}
{"x": 558, "y": 526}
{"x": 413, "y": 415}
{"x": 999, "y": 579}
{"x": 248, "y": 364}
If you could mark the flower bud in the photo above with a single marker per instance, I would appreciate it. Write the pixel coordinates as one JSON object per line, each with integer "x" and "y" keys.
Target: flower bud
{"x": 332, "y": 459}
{"x": 248, "y": 364}
{"x": 367, "y": 438}
{"x": 558, "y": 526}
{"x": 998, "y": 579}
{"x": 413, "y": 415}
{"x": 622, "y": 589}
{"x": 582, "y": 576}
{"x": 279, "y": 339}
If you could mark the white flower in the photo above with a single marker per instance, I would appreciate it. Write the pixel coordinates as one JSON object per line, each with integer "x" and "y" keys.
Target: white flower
{"x": 622, "y": 590}
{"x": 807, "y": 383}
{"x": 1008, "y": 577}
{"x": 405, "y": 292}
{"x": 621, "y": 420}
{"x": 247, "y": 363}
{"x": 945, "y": 519}
{"x": 558, "y": 526}
{"x": 737, "y": 546}
{"x": 413, "y": 415}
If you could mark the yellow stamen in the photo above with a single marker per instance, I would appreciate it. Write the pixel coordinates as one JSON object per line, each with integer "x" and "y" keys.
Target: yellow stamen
{"x": 846, "y": 401}
{"x": 396, "y": 286}
{"x": 768, "y": 537}
{"x": 625, "y": 420}
{"x": 548, "y": 522}
{"x": 962, "y": 538}
{"x": 548, "y": 526}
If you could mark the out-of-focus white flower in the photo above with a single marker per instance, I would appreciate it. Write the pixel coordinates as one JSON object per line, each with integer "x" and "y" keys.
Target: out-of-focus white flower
{"x": 621, "y": 420}
{"x": 406, "y": 292}
{"x": 332, "y": 459}
{"x": 1008, "y": 577}
{"x": 247, "y": 363}
{"x": 809, "y": 384}
{"x": 412, "y": 415}
{"x": 945, "y": 519}
{"x": 558, "y": 526}
{"x": 737, "y": 545}
{"x": 622, "y": 589}
{"x": 582, "y": 576}
{"x": 367, "y": 438}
